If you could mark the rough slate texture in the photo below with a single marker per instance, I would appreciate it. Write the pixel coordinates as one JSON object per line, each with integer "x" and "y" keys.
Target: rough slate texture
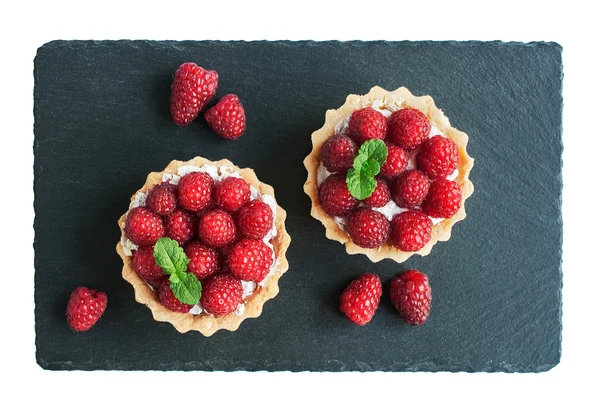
{"x": 102, "y": 124}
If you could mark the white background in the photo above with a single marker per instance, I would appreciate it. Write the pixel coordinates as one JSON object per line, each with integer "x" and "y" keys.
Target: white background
{"x": 26, "y": 26}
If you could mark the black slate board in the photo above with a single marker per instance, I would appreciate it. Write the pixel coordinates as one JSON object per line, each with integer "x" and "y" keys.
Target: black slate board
{"x": 102, "y": 124}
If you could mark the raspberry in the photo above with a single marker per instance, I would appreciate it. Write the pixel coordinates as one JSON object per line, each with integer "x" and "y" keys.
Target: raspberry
{"x": 191, "y": 89}
{"x": 181, "y": 226}
{"x": 380, "y": 196}
{"x": 255, "y": 219}
{"x": 395, "y": 163}
{"x": 410, "y": 188}
{"x": 85, "y": 308}
{"x": 194, "y": 191}
{"x": 217, "y": 228}
{"x": 366, "y": 124}
{"x": 250, "y": 260}
{"x": 411, "y": 230}
{"x": 408, "y": 128}
{"x": 204, "y": 261}
{"x": 438, "y": 157}
{"x": 227, "y": 117}
{"x": 334, "y": 196}
{"x": 360, "y": 299}
{"x": 162, "y": 199}
{"x": 338, "y": 153}
{"x": 143, "y": 227}
{"x": 411, "y": 295}
{"x": 368, "y": 228}
{"x": 443, "y": 200}
{"x": 168, "y": 299}
{"x": 231, "y": 193}
{"x": 145, "y": 266}
{"x": 221, "y": 294}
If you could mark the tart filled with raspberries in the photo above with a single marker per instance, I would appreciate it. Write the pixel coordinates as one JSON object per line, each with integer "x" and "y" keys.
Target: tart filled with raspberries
{"x": 388, "y": 175}
{"x": 203, "y": 245}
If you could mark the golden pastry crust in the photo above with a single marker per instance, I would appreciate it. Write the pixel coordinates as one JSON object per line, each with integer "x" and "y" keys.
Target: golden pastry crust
{"x": 398, "y": 98}
{"x": 208, "y": 324}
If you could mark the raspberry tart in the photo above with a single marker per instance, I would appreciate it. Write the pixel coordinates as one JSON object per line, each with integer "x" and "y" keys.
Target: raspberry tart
{"x": 388, "y": 175}
{"x": 204, "y": 245}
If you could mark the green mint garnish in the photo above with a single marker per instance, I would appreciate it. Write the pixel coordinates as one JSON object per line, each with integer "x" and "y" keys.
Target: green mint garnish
{"x": 173, "y": 261}
{"x": 367, "y": 163}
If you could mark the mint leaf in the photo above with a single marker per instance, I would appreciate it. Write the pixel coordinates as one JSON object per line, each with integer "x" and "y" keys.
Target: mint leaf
{"x": 361, "y": 177}
{"x": 169, "y": 256}
{"x": 186, "y": 287}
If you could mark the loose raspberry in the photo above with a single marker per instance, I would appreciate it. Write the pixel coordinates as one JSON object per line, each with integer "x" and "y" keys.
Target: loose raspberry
{"x": 438, "y": 157}
{"x": 194, "y": 191}
{"x": 227, "y": 117}
{"x": 221, "y": 294}
{"x": 395, "y": 163}
{"x": 85, "y": 308}
{"x": 443, "y": 200}
{"x": 411, "y": 295}
{"x": 217, "y": 228}
{"x": 231, "y": 193}
{"x": 366, "y": 124}
{"x": 411, "y": 230}
{"x": 181, "y": 226}
{"x": 410, "y": 188}
{"x": 168, "y": 299}
{"x": 380, "y": 196}
{"x": 191, "y": 89}
{"x": 255, "y": 219}
{"x": 334, "y": 196}
{"x": 145, "y": 265}
{"x": 368, "y": 228}
{"x": 250, "y": 260}
{"x": 143, "y": 227}
{"x": 360, "y": 299}
{"x": 204, "y": 261}
{"x": 338, "y": 153}
{"x": 408, "y": 128}
{"x": 162, "y": 199}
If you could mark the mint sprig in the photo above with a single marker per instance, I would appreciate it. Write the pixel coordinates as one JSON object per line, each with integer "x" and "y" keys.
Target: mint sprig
{"x": 367, "y": 163}
{"x": 173, "y": 261}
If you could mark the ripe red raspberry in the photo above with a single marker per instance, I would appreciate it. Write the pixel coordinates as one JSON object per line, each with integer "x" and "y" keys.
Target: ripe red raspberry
{"x": 221, "y": 294}
{"x": 217, "y": 228}
{"x": 408, "y": 128}
{"x": 395, "y": 163}
{"x": 366, "y": 124}
{"x": 85, "y": 308}
{"x": 162, "y": 199}
{"x": 443, "y": 200}
{"x": 411, "y": 295}
{"x": 410, "y": 188}
{"x": 411, "y": 230}
{"x": 204, "y": 261}
{"x": 360, "y": 299}
{"x": 143, "y": 227}
{"x": 145, "y": 265}
{"x": 250, "y": 260}
{"x": 338, "y": 153}
{"x": 194, "y": 191}
{"x": 334, "y": 196}
{"x": 231, "y": 193}
{"x": 255, "y": 219}
{"x": 380, "y": 196}
{"x": 438, "y": 157}
{"x": 368, "y": 228}
{"x": 191, "y": 89}
{"x": 181, "y": 226}
{"x": 227, "y": 117}
{"x": 168, "y": 299}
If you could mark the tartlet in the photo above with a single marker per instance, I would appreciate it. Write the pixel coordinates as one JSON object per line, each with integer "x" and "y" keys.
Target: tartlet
{"x": 336, "y": 122}
{"x": 252, "y": 304}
